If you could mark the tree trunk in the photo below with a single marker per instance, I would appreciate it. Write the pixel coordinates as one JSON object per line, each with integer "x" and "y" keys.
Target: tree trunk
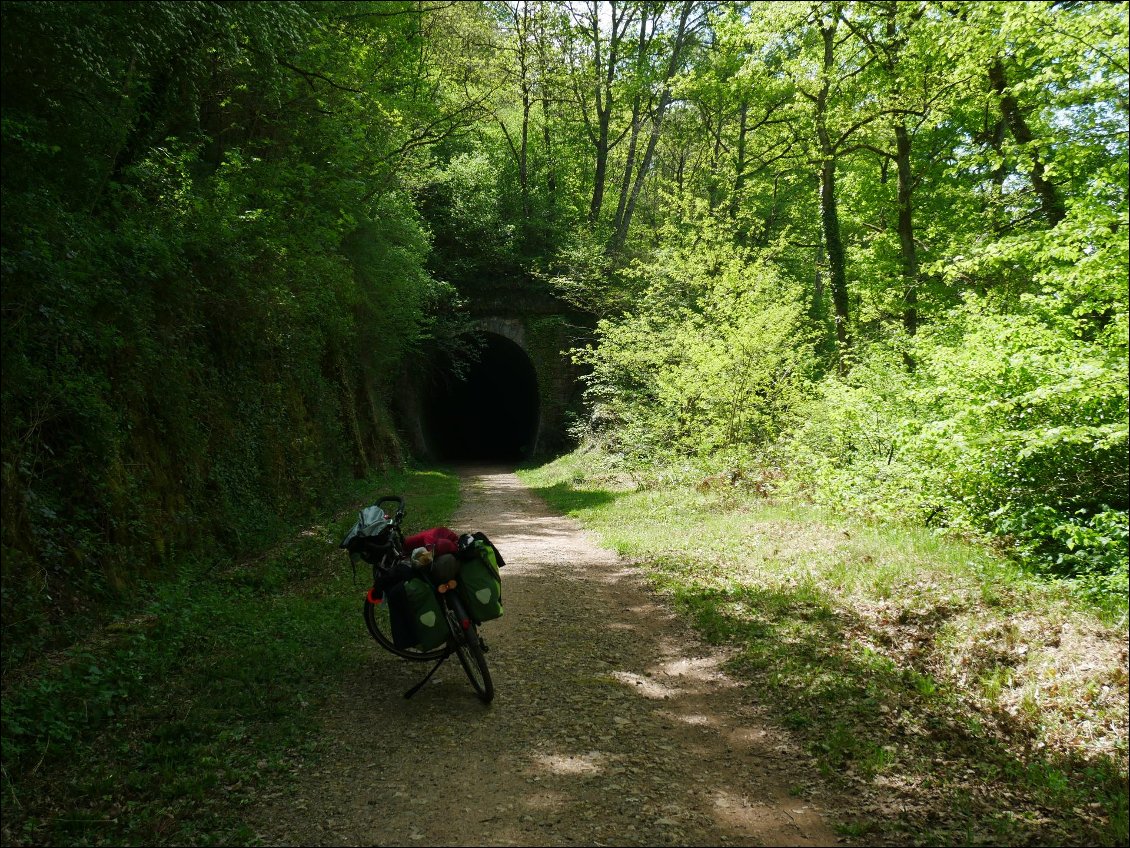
{"x": 837, "y": 276}
{"x": 829, "y": 211}
{"x": 629, "y": 166}
{"x": 621, "y": 234}
{"x": 605, "y": 74}
{"x": 714, "y": 185}
{"x": 550, "y": 169}
{"x": 521, "y": 27}
{"x": 523, "y": 159}
{"x": 996, "y": 141}
{"x": 633, "y": 141}
{"x": 739, "y": 165}
{"x": 599, "y": 175}
{"x": 540, "y": 39}
{"x": 1050, "y": 201}
{"x": 906, "y": 231}
{"x": 819, "y": 310}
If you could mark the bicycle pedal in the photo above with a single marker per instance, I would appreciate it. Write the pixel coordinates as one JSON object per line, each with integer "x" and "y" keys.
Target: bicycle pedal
{"x": 483, "y": 646}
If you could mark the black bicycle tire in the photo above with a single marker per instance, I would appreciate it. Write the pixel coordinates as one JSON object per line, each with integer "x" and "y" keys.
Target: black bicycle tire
{"x": 385, "y": 639}
{"x": 470, "y": 653}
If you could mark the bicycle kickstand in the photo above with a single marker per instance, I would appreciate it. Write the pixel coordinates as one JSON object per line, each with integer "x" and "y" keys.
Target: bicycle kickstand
{"x": 427, "y": 677}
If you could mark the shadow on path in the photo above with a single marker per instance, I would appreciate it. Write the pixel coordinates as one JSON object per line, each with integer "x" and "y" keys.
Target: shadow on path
{"x": 612, "y": 723}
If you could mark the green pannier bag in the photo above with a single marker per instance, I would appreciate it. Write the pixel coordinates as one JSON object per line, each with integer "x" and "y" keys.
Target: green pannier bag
{"x": 480, "y": 586}
{"x": 427, "y": 616}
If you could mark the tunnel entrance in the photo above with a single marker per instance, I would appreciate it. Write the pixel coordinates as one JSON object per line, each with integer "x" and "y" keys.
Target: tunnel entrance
{"x": 491, "y": 414}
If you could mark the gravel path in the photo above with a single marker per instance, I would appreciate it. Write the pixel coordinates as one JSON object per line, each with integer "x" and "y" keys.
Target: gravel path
{"x": 612, "y": 724}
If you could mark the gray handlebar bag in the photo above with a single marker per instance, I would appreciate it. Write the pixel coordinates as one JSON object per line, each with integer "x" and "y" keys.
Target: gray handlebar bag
{"x": 371, "y": 521}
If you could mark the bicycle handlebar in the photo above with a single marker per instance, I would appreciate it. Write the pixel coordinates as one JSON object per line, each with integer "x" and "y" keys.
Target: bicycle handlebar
{"x": 399, "y": 501}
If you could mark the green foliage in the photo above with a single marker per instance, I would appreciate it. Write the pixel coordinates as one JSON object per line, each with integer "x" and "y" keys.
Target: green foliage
{"x": 583, "y": 274}
{"x": 849, "y": 442}
{"x": 474, "y": 236}
{"x": 980, "y": 196}
{"x": 1014, "y": 421}
{"x": 1007, "y": 426}
{"x": 211, "y": 279}
{"x": 709, "y": 360}
{"x": 227, "y": 227}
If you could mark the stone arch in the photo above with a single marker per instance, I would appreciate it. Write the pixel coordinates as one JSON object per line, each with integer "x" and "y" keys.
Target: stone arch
{"x": 493, "y": 411}
{"x": 543, "y": 330}
{"x": 509, "y": 328}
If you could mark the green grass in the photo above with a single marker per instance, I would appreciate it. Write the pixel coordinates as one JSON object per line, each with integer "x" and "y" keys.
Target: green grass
{"x": 915, "y": 668}
{"x": 158, "y": 731}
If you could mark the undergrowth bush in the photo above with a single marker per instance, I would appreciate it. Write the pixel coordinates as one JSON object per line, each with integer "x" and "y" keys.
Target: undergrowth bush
{"x": 712, "y": 358}
{"x": 1010, "y": 426}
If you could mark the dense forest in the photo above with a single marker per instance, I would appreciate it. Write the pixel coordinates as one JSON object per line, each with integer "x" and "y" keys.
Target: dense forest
{"x": 869, "y": 254}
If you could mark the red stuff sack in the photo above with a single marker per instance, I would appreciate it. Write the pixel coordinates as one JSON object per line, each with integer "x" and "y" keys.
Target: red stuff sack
{"x": 438, "y": 540}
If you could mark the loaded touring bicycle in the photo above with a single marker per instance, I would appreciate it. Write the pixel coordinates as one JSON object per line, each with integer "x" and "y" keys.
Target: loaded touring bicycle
{"x": 430, "y": 592}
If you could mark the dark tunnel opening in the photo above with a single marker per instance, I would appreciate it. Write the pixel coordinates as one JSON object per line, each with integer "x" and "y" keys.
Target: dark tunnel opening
{"x": 491, "y": 414}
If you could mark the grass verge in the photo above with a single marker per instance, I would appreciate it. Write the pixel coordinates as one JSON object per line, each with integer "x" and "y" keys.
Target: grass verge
{"x": 957, "y": 701}
{"x": 159, "y": 729}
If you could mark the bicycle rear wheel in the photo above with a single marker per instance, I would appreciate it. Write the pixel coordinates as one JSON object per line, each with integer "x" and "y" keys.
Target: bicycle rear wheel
{"x": 376, "y": 620}
{"x": 470, "y": 652}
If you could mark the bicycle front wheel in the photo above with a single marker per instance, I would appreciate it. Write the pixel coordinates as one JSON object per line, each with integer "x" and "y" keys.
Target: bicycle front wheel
{"x": 470, "y": 652}
{"x": 376, "y": 620}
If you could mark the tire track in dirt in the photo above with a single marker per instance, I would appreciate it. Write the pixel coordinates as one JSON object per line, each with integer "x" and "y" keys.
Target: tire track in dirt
{"x": 612, "y": 723}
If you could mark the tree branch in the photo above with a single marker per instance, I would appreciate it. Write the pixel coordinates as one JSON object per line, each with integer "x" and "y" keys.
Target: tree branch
{"x": 872, "y": 148}
{"x": 419, "y": 10}
{"x": 307, "y": 75}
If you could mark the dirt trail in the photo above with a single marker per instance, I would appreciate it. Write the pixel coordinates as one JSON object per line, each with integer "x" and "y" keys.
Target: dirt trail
{"x": 612, "y": 723}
